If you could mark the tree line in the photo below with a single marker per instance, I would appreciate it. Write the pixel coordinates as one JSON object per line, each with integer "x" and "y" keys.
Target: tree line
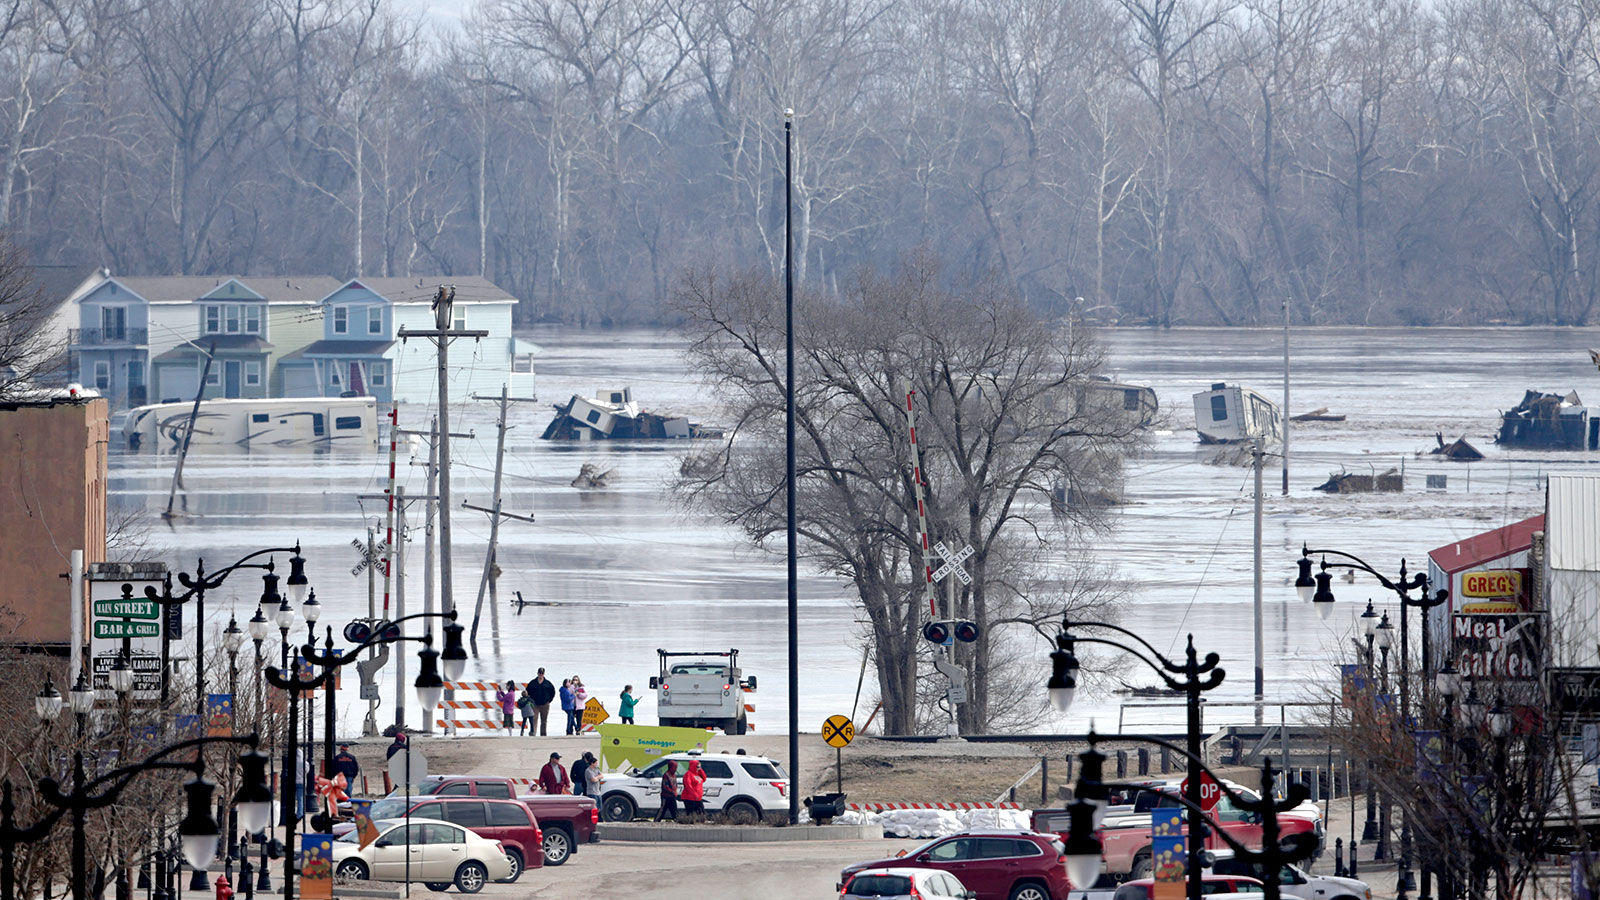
{"x": 1135, "y": 161}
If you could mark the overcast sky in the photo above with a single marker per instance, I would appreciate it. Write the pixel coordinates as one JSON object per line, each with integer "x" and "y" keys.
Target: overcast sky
{"x": 441, "y": 15}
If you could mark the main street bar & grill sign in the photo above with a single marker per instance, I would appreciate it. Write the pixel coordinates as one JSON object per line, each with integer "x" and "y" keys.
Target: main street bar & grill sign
{"x": 1507, "y": 646}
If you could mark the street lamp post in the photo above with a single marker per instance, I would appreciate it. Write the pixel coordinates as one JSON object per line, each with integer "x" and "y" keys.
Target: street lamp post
{"x": 259, "y": 628}
{"x": 1064, "y": 682}
{"x": 232, "y": 641}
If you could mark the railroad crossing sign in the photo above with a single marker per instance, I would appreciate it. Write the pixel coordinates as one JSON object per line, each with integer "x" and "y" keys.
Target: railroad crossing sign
{"x": 1210, "y": 792}
{"x": 380, "y": 550}
{"x": 838, "y": 731}
{"x": 952, "y": 562}
{"x": 127, "y": 609}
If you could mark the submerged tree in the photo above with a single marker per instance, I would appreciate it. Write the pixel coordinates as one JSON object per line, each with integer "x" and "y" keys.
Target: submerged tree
{"x": 1009, "y": 415}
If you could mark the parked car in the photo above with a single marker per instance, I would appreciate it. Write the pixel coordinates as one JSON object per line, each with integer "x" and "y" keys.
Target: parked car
{"x": 508, "y": 821}
{"x": 905, "y": 884}
{"x": 996, "y": 865}
{"x": 743, "y": 788}
{"x": 1294, "y": 881}
{"x": 1144, "y": 888}
{"x": 440, "y": 854}
{"x": 566, "y": 820}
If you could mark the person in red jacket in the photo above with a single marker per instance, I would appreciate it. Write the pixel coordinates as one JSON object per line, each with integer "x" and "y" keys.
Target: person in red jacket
{"x": 694, "y": 789}
{"x": 553, "y": 777}
{"x": 669, "y": 793}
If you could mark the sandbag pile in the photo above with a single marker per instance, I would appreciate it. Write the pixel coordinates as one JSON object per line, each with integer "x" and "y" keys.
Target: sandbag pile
{"x": 930, "y": 823}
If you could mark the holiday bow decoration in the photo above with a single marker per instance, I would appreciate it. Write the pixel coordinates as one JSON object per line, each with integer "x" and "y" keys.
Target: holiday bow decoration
{"x": 331, "y": 790}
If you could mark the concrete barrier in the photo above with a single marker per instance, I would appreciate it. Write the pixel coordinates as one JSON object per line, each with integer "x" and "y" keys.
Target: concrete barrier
{"x": 666, "y": 832}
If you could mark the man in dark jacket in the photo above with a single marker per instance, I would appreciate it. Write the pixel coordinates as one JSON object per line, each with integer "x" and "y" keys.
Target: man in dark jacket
{"x": 344, "y": 763}
{"x": 544, "y": 693}
{"x": 580, "y": 771}
{"x": 398, "y": 745}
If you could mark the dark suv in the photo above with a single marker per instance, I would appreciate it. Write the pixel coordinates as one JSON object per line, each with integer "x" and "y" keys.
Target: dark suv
{"x": 507, "y": 821}
{"x": 997, "y": 865}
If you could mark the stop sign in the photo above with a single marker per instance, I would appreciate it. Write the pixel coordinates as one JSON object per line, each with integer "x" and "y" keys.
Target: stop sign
{"x": 1210, "y": 792}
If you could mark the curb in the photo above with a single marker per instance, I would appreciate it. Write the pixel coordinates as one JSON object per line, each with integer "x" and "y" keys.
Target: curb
{"x": 642, "y": 832}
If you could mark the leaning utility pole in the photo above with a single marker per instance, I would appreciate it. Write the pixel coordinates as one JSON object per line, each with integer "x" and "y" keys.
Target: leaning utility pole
{"x": 440, "y": 334}
{"x": 489, "y": 562}
{"x": 1257, "y": 452}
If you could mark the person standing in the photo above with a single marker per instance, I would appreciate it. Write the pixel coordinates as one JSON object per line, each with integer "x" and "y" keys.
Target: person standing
{"x": 580, "y": 781}
{"x": 344, "y": 763}
{"x": 568, "y": 706}
{"x": 580, "y": 699}
{"x": 694, "y": 789}
{"x": 593, "y": 777}
{"x": 669, "y": 793}
{"x": 398, "y": 745}
{"x": 507, "y": 696}
{"x": 553, "y": 777}
{"x": 628, "y": 703}
{"x": 525, "y": 706}
{"x": 543, "y": 694}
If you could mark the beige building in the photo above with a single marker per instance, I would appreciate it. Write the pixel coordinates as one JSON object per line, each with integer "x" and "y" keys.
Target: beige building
{"x": 53, "y": 468}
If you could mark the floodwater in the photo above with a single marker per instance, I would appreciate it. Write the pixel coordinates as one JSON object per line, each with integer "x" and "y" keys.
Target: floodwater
{"x": 611, "y": 575}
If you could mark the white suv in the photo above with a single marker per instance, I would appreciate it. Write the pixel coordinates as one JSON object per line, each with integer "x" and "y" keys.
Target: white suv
{"x": 741, "y": 787}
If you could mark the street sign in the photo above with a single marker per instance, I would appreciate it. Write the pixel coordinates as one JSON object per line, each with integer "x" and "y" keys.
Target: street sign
{"x": 1504, "y": 646}
{"x": 1210, "y": 792}
{"x": 127, "y": 609}
{"x": 838, "y": 731}
{"x": 111, "y": 629}
{"x": 146, "y": 674}
{"x": 408, "y": 766}
{"x": 594, "y": 712}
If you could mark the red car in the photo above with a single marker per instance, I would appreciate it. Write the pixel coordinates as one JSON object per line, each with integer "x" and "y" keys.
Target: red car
{"x": 997, "y": 865}
{"x": 507, "y": 821}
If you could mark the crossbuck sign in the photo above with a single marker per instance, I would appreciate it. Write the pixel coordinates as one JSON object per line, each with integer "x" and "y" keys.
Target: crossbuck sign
{"x": 952, "y": 562}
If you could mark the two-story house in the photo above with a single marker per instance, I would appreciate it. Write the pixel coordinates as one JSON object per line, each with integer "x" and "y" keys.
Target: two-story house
{"x": 361, "y": 352}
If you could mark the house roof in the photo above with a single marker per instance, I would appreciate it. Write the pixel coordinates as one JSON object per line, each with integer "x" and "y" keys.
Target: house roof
{"x": 190, "y": 288}
{"x": 421, "y": 288}
{"x": 1481, "y": 548}
{"x": 57, "y": 283}
{"x": 224, "y": 343}
{"x": 344, "y": 348}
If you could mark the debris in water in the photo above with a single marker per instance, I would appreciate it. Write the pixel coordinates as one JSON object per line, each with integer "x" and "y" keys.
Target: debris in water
{"x": 1388, "y": 482}
{"x": 1320, "y": 414}
{"x": 1551, "y": 422}
{"x": 1457, "y": 449}
{"x": 614, "y": 416}
{"x": 590, "y": 476}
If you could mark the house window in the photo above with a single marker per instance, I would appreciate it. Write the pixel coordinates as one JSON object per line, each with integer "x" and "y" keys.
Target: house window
{"x": 375, "y": 320}
{"x": 214, "y": 376}
{"x": 378, "y": 372}
{"x": 230, "y": 319}
{"x": 252, "y": 371}
{"x": 461, "y": 319}
{"x": 333, "y": 373}
{"x": 341, "y": 321}
{"x": 213, "y": 319}
{"x": 113, "y": 322}
{"x": 252, "y": 319}
{"x": 102, "y": 374}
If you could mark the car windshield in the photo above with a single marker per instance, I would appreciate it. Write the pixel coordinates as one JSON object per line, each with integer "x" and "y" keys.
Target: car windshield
{"x": 879, "y": 886}
{"x": 392, "y": 808}
{"x": 698, "y": 669}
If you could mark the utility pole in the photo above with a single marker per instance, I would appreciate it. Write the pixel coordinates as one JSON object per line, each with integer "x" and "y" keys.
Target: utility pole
{"x": 431, "y": 507}
{"x": 399, "y": 550}
{"x": 371, "y": 725}
{"x": 1285, "y": 397}
{"x": 1257, "y": 453}
{"x": 440, "y": 334}
{"x": 489, "y": 562}
{"x": 388, "y": 527}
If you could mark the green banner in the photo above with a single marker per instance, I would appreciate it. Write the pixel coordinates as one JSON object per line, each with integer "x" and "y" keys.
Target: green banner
{"x": 622, "y": 746}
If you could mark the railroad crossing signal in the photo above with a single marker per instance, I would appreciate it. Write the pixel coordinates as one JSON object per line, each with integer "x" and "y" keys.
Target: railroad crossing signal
{"x": 838, "y": 731}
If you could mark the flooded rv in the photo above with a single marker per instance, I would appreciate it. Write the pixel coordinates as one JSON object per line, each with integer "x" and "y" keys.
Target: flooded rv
{"x": 1229, "y": 414}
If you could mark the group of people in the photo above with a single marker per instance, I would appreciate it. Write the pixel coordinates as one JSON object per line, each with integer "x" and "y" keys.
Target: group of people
{"x": 584, "y": 779}
{"x": 691, "y": 790}
{"x": 537, "y": 696}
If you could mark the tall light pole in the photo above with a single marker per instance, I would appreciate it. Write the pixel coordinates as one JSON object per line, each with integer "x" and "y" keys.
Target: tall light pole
{"x": 788, "y": 425}
{"x": 232, "y": 641}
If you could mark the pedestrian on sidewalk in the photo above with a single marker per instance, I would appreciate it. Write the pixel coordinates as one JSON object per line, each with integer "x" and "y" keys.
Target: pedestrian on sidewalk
{"x": 628, "y": 703}
{"x": 507, "y": 696}
{"x": 580, "y": 699}
{"x": 669, "y": 793}
{"x": 543, "y": 694}
{"x": 569, "y": 706}
{"x": 344, "y": 763}
{"x": 398, "y": 745}
{"x": 553, "y": 777}
{"x": 525, "y": 705}
{"x": 592, "y": 776}
{"x": 694, "y": 791}
{"x": 580, "y": 781}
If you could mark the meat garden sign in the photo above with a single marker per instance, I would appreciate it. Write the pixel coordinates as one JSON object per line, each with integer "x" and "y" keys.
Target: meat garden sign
{"x": 1501, "y": 646}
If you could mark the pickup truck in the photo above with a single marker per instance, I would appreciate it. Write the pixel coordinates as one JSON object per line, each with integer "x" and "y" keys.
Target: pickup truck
{"x": 707, "y": 692}
{"x": 566, "y": 820}
{"x": 1125, "y": 836}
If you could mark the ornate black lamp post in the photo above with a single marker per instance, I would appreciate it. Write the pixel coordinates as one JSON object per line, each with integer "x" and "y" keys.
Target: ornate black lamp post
{"x": 1064, "y": 682}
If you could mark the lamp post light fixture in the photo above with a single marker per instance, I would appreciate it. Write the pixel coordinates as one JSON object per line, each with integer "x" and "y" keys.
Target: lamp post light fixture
{"x": 1499, "y": 718}
{"x": 81, "y": 701}
{"x": 47, "y": 704}
{"x": 1199, "y": 676}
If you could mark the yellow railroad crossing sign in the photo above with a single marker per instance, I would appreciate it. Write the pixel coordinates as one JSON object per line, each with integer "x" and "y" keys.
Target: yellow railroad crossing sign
{"x": 838, "y": 731}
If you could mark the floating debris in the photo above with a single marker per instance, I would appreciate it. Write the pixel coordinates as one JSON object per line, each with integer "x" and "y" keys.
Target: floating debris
{"x": 590, "y": 476}
{"x": 614, "y": 416}
{"x": 1387, "y": 482}
{"x": 1550, "y": 422}
{"x": 1320, "y": 414}
{"x": 1457, "y": 449}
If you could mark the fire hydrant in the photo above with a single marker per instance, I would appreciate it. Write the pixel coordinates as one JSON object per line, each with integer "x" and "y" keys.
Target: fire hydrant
{"x": 224, "y": 888}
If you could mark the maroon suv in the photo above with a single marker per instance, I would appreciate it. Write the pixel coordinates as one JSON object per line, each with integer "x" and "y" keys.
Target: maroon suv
{"x": 997, "y": 865}
{"x": 507, "y": 821}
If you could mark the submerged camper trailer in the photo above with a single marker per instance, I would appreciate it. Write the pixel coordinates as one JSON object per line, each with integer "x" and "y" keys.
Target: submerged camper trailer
{"x": 612, "y": 415}
{"x": 259, "y": 424}
{"x": 1231, "y": 414}
{"x": 1550, "y": 422}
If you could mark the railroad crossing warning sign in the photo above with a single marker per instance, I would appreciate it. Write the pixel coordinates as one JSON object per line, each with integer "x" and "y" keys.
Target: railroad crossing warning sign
{"x": 594, "y": 712}
{"x": 838, "y": 731}
{"x": 953, "y": 561}
{"x": 1210, "y": 792}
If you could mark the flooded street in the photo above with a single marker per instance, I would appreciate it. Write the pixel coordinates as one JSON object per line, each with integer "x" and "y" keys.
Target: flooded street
{"x": 613, "y": 574}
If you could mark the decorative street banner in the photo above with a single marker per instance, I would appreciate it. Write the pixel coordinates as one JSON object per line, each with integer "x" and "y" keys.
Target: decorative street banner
{"x": 1500, "y": 646}
{"x": 1170, "y": 854}
{"x": 1430, "y": 755}
{"x": 219, "y": 715}
{"x": 1353, "y": 684}
{"x": 316, "y": 867}
{"x": 361, "y": 810}
{"x": 186, "y": 726}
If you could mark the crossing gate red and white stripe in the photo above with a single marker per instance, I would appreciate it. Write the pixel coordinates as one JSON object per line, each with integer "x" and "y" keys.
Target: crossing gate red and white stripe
{"x": 919, "y": 485}
{"x": 954, "y": 807}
